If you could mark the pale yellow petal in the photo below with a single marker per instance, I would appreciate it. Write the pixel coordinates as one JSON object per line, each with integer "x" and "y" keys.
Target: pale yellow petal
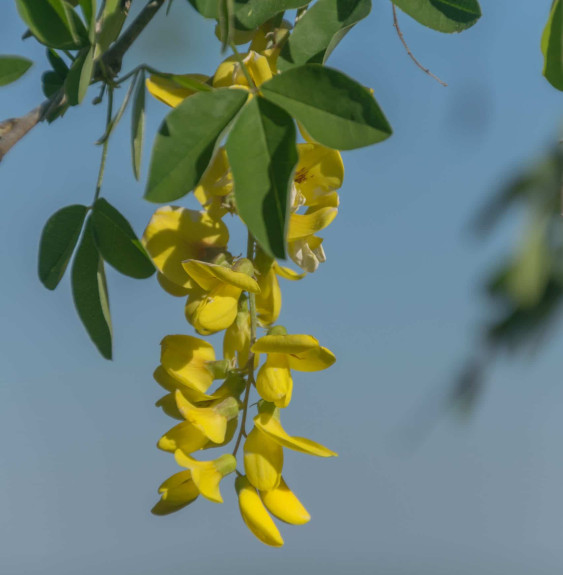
{"x": 185, "y": 437}
{"x": 304, "y": 225}
{"x": 255, "y": 514}
{"x": 263, "y": 460}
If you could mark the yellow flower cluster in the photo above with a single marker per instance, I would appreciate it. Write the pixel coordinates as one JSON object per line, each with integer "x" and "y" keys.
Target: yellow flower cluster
{"x": 237, "y": 295}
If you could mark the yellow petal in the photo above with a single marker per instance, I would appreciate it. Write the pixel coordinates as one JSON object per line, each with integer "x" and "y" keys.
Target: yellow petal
{"x": 269, "y": 423}
{"x": 184, "y": 357}
{"x": 215, "y": 311}
{"x": 211, "y": 421}
{"x": 255, "y": 515}
{"x": 319, "y": 173}
{"x": 172, "y": 384}
{"x": 268, "y": 301}
{"x": 287, "y": 273}
{"x": 229, "y": 73}
{"x": 173, "y": 288}
{"x": 263, "y": 460}
{"x": 304, "y": 225}
{"x": 168, "y": 405}
{"x": 183, "y": 436}
{"x": 176, "y": 234}
{"x": 291, "y": 343}
{"x": 207, "y": 276}
{"x": 208, "y": 474}
{"x": 274, "y": 382}
{"x": 236, "y": 342}
{"x": 175, "y": 493}
{"x": 283, "y": 504}
{"x": 217, "y": 179}
{"x": 315, "y": 359}
{"x": 170, "y": 92}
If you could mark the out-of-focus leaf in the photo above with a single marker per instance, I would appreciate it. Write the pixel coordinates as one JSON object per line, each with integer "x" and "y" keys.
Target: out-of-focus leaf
{"x": 186, "y": 139}
{"x": 118, "y": 243}
{"x": 90, "y": 294}
{"x": 262, "y": 154}
{"x": 442, "y": 15}
{"x": 226, "y": 22}
{"x": 12, "y": 68}
{"x": 58, "y": 64}
{"x": 335, "y": 110}
{"x": 318, "y": 32}
{"x": 250, "y": 14}
{"x": 138, "y": 125}
{"x": 58, "y": 240}
{"x": 117, "y": 118}
{"x": 552, "y": 46}
{"x": 79, "y": 76}
{"x": 111, "y": 22}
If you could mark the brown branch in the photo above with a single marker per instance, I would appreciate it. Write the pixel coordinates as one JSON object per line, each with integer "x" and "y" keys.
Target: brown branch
{"x": 404, "y": 43}
{"x": 109, "y": 65}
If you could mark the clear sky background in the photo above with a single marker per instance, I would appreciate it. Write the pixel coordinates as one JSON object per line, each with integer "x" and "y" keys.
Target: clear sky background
{"x": 397, "y": 302}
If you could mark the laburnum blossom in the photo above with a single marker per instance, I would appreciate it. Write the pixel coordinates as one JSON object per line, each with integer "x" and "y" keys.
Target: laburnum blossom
{"x": 209, "y": 397}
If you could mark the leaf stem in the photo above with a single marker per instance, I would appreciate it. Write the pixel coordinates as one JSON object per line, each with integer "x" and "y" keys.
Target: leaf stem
{"x": 101, "y": 173}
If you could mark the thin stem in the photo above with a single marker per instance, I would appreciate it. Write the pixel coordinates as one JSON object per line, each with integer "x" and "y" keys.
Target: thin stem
{"x": 250, "y": 364}
{"x": 245, "y": 71}
{"x": 411, "y": 55}
{"x": 104, "y": 147}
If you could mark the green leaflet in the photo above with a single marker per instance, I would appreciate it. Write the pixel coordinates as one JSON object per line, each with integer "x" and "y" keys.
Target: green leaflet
{"x": 89, "y": 291}
{"x": 262, "y": 153}
{"x": 251, "y": 14}
{"x": 207, "y": 8}
{"x": 12, "y": 68}
{"x": 138, "y": 125}
{"x": 318, "y": 32}
{"x": 335, "y": 110}
{"x": 79, "y": 76}
{"x": 552, "y": 47}
{"x": 118, "y": 243}
{"x": 442, "y": 15}
{"x": 54, "y": 23}
{"x": 58, "y": 240}
{"x": 111, "y": 23}
{"x": 186, "y": 139}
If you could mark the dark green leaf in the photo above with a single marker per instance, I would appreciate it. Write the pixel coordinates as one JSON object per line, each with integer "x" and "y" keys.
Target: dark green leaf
{"x": 335, "y": 110}
{"x": 111, "y": 22}
{"x": 321, "y": 28}
{"x": 226, "y": 22}
{"x": 118, "y": 243}
{"x": 51, "y": 83}
{"x": 12, "y": 68}
{"x": 58, "y": 240}
{"x": 89, "y": 291}
{"x": 207, "y": 8}
{"x": 253, "y": 13}
{"x": 263, "y": 155}
{"x": 58, "y": 64}
{"x": 552, "y": 47}
{"x": 79, "y": 76}
{"x": 138, "y": 125}
{"x": 53, "y": 23}
{"x": 442, "y": 15}
{"x": 186, "y": 139}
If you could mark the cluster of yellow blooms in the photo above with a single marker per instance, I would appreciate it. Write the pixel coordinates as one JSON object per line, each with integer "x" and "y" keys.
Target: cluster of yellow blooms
{"x": 189, "y": 249}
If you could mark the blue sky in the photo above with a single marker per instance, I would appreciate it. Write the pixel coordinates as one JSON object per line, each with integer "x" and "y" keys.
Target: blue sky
{"x": 397, "y": 301}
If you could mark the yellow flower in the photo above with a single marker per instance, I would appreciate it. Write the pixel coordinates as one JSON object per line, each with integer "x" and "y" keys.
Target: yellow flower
{"x": 236, "y": 342}
{"x": 268, "y": 421}
{"x": 255, "y": 515}
{"x": 175, "y": 234}
{"x": 208, "y": 474}
{"x": 214, "y": 305}
{"x": 230, "y": 72}
{"x": 215, "y": 184}
{"x": 173, "y": 90}
{"x": 283, "y": 504}
{"x": 284, "y": 353}
{"x": 263, "y": 460}
{"x": 175, "y": 493}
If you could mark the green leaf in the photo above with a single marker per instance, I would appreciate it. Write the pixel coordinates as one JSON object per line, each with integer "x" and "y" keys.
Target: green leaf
{"x": 318, "y": 32}
{"x": 12, "y": 68}
{"x": 442, "y": 15}
{"x": 89, "y": 291}
{"x": 51, "y": 83}
{"x": 117, "y": 118}
{"x": 79, "y": 76}
{"x": 262, "y": 153}
{"x": 552, "y": 47}
{"x": 58, "y": 64}
{"x": 186, "y": 139}
{"x": 53, "y": 23}
{"x": 89, "y": 10}
{"x": 250, "y": 14}
{"x": 117, "y": 242}
{"x": 58, "y": 240}
{"x": 111, "y": 22}
{"x": 226, "y": 23}
{"x": 335, "y": 110}
{"x": 138, "y": 125}
{"x": 207, "y": 8}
